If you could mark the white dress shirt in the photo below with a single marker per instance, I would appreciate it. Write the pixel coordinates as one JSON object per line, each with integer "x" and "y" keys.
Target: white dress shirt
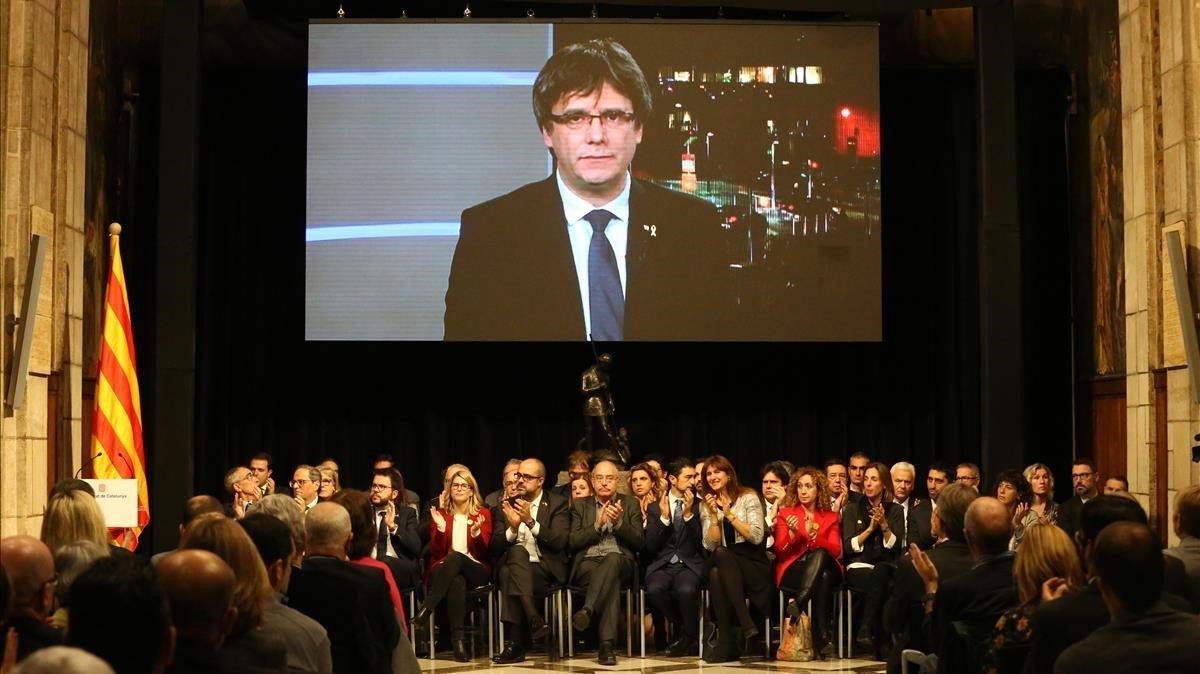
{"x": 580, "y": 232}
{"x": 526, "y": 536}
{"x": 672, "y": 499}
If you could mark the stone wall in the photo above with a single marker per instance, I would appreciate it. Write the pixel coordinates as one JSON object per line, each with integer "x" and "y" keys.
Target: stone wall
{"x": 44, "y": 57}
{"x": 1160, "y": 125}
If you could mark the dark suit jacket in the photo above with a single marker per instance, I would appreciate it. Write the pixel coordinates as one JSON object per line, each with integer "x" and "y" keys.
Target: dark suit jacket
{"x": 407, "y": 539}
{"x": 555, "y": 519}
{"x": 855, "y": 518}
{"x": 904, "y": 611}
{"x": 354, "y": 606}
{"x": 920, "y": 523}
{"x": 1070, "y": 513}
{"x": 32, "y": 635}
{"x": 1159, "y": 640}
{"x": 977, "y": 597}
{"x": 513, "y": 275}
{"x": 659, "y": 542}
{"x": 628, "y": 532}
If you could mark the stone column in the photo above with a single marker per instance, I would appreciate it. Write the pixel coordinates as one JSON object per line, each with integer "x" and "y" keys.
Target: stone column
{"x": 43, "y": 74}
{"x": 1160, "y": 73}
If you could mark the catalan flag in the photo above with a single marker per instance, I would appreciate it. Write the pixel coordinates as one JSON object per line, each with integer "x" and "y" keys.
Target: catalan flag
{"x": 117, "y": 418}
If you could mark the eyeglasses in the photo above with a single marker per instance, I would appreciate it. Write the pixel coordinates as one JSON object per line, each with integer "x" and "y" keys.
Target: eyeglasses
{"x": 609, "y": 119}
{"x": 299, "y": 483}
{"x": 603, "y": 479}
{"x": 380, "y": 487}
{"x": 1081, "y": 476}
{"x": 461, "y": 486}
{"x": 523, "y": 477}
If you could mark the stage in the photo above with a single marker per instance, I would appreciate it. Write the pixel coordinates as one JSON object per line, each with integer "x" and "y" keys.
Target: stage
{"x": 538, "y": 663}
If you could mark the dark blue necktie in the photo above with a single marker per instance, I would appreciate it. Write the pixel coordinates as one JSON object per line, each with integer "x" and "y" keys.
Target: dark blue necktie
{"x": 605, "y": 299}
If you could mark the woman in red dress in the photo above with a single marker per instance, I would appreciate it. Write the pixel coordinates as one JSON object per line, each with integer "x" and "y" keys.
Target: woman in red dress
{"x": 808, "y": 544}
{"x": 460, "y": 530}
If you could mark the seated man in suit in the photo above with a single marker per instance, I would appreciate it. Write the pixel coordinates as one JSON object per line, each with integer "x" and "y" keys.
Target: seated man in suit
{"x": 589, "y": 252}
{"x": 1085, "y": 480}
{"x": 399, "y": 544}
{"x": 1187, "y": 526}
{"x": 977, "y": 597}
{"x": 837, "y": 476}
{"x": 675, "y": 555}
{"x": 606, "y": 531}
{"x": 1145, "y": 635}
{"x": 902, "y": 614}
{"x": 351, "y": 602}
{"x": 529, "y": 541}
{"x": 508, "y": 485}
{"x": 918, "y": 513}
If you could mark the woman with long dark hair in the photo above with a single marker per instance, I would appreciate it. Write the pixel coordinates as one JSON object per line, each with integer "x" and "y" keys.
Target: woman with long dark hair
{"x": 870, "y": 541}
{"x": 733, "y": 530}
{"x": 808, "y": 544}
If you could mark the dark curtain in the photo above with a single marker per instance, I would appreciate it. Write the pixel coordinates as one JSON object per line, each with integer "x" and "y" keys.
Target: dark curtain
{"x": 914, "y": 396}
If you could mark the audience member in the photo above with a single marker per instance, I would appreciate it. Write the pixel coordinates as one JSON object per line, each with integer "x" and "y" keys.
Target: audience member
{"x": 529, "y": 542}
{"x": 1116, "y": 483}
{"x": 243, "y": 490}
{"x": 808, "y": 545}
{"x": 1064, "y": 621}
{"x": 1042, "y": 508}
{"x": 70, "y": 484}
{"x": 63, "y": 660}
{"x": 306, "y": 481}
{"x": 73, "y": 516}
{"x": 918, "y": 512}
{"x": 936, "y": 480}
{"x": 398, "y": 542}
{"x": 363, "y": 534}
{"x": 194, "y": 507}
{"x": 775, "y": 478}
{"x": 1046, "y": 557}
{"x": 657, "y": 462}
{"x": 30, "y": 568}
{"x": 967, "y": 474}
{"x": 858, "y": 470}
{"x": 119, "y": 614}
{"x": 1145, "y": 635}
{"x": 1084, "y": 481}
{"x": 579, "y": 464}
{"x": 71, "y": 560}
{"x": 976, "y": 598}
{"x": 459, "y": 560}
{"x": 606, "y": 530}
{"x": 350, "y": 601}
{"x": 307, "y": 643}
{"x": 508, "y": 484}
{"x": 838, "y": 479}
{"x": 581, "y": 487}
{"x": 246, "y": 641}
{"x": 869, "y": 545}
{"x": 283, "y": 508}
{"x": 643, "y": 484}
{"x": 674, "y": 557}
{"x": 903, "y": 615}
{"x": 409, "y": 497}
{"x": 1013, "y": 490}
{"x": 263, "y": 470}
{"x": 329, "y": 483}
{"x": 734, "y": 532}
{"x": 1186, "y": 521}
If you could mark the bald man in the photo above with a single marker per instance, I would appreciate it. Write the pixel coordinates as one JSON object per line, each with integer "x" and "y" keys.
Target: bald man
{"x": 117, "y": 596}
{"x": 199, "y": 587}
{"x": 30, "y": 568}
{"x": 980, "y": 595}
{"x": 350, "y": 601}
{"x": 606, "y": 531}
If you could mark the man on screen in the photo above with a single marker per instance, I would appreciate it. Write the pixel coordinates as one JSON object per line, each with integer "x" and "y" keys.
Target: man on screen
{"x": 589, "y": 252}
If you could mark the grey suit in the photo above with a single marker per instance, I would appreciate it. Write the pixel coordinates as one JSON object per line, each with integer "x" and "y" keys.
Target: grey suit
{"x": 602, "y": 574}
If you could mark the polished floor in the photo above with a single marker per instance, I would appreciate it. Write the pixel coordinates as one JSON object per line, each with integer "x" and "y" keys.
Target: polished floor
{"x": 582, "y": 664}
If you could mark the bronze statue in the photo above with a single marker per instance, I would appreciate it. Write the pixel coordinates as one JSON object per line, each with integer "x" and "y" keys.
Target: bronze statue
{"x": 606, "y": 443}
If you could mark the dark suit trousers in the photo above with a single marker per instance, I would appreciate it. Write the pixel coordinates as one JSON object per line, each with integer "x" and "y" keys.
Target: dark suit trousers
{"x": 602, "y": 578}
{"x": 674, "y": 591}
{"x": 520, "y": 580}
{"x": 877, "y": 582}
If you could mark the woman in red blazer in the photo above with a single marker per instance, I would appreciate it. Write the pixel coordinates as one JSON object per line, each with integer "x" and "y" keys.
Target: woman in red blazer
{"x": 808, "y": 544}
{"x": 460, "y": 531}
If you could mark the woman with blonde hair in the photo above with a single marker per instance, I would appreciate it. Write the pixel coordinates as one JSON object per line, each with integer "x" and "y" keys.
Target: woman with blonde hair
{"x": 1046, "y": 559}
{"x": 1041, "y": 507}
{"x": 73, "y": 516}
{"x": 329, "y": 483}
{"x": 223, "y": 537}
{"x": 460, "y": 532}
